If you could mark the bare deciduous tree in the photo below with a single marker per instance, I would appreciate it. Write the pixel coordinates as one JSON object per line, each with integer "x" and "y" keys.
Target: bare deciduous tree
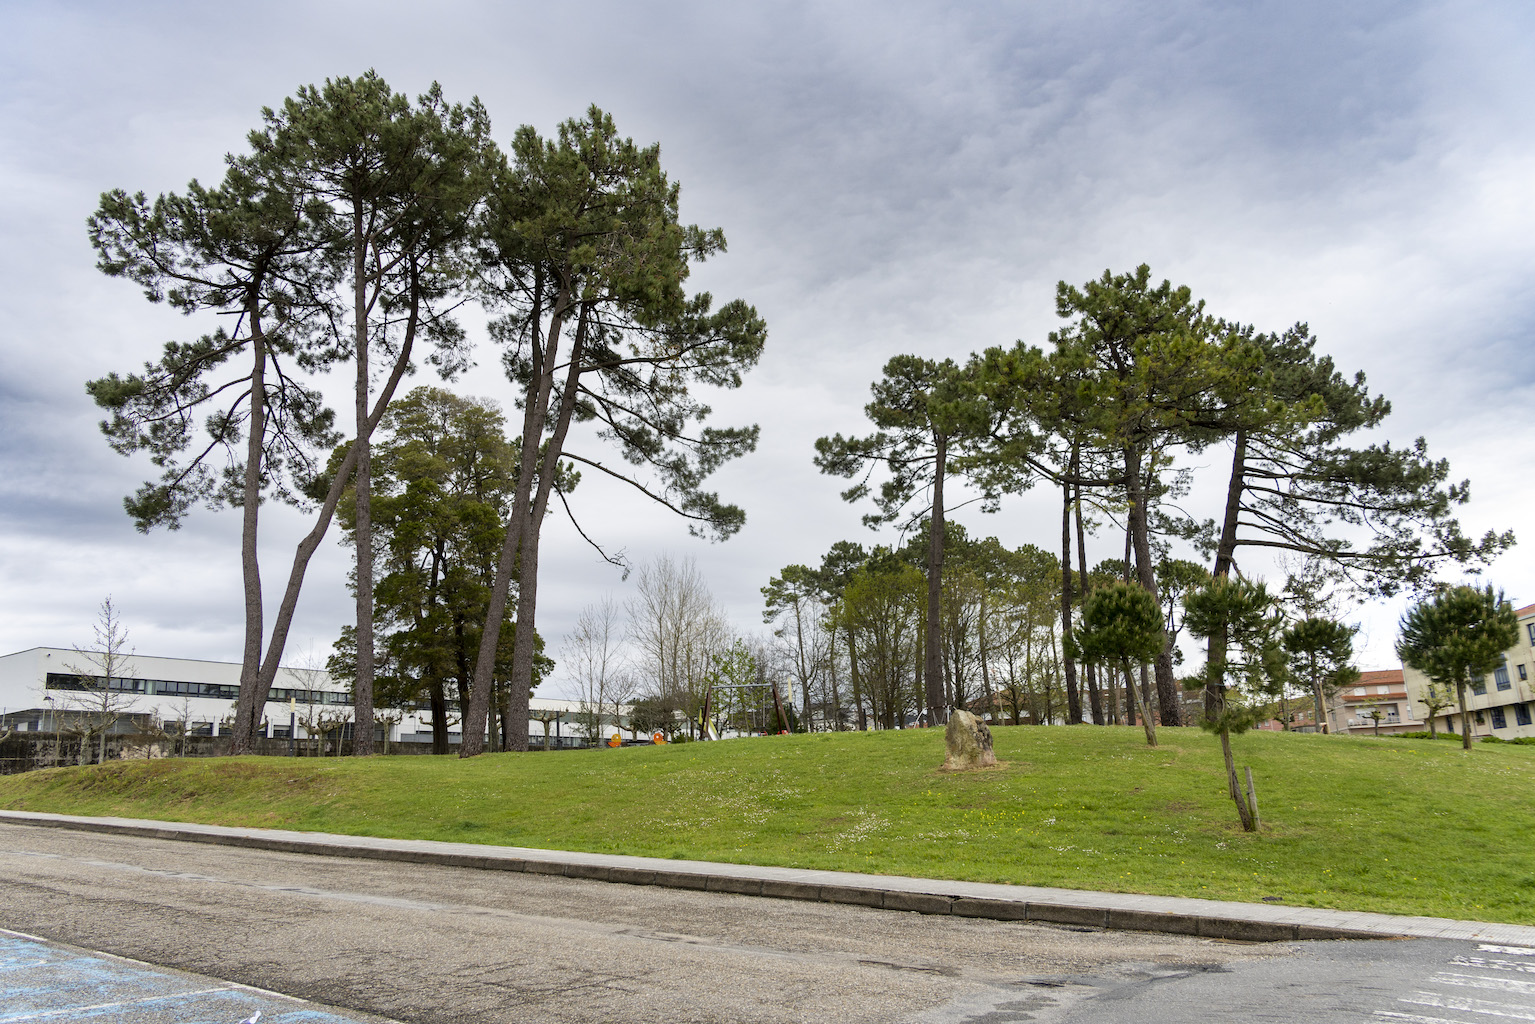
{"x": 100, "y": 670}
{"x": 593, "y": 654}
{"x": 677, "y": 630}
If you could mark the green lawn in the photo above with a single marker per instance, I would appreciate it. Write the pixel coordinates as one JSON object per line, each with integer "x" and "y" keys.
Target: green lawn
{"x": 1398, "y": 826}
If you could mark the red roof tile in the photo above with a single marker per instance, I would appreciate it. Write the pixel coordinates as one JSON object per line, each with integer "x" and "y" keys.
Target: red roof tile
{"x": 1381, "y": 677}
{"x": 1528, "y": 609}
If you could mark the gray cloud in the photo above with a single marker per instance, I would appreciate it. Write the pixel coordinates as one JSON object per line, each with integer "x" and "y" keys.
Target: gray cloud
{"x": 892, "y": 177}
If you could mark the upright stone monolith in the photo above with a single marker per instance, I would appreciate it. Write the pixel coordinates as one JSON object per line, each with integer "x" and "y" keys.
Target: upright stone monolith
{"x": 969, "y": 742}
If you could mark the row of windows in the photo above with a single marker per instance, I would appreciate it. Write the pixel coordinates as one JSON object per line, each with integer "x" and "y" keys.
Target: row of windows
{"x": 1499, "y": 678}
{"x": 1499, "y": 717}
{"x": 178, "y": 688}
{"x": 278, "y": 694}
{"x": 1521, "y": 716}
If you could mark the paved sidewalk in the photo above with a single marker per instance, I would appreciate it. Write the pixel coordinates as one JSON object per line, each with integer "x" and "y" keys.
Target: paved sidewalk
{"x": 1259, "y": 922}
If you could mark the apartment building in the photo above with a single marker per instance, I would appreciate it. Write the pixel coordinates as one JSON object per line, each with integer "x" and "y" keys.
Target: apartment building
{"x": 1378, "y": 704}
{"x": 1502, "y": 704}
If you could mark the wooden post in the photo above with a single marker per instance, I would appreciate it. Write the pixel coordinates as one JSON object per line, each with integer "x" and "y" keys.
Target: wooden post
{"x": 778, "y": 706}
{"x": 1252, "y": 799}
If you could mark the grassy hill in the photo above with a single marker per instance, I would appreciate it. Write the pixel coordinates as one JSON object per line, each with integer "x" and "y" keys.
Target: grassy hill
{"x": 1397, "y": 826}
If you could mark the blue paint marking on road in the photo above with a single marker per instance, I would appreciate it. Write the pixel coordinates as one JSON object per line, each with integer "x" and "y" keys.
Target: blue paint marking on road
{"x": 42, "y": 982}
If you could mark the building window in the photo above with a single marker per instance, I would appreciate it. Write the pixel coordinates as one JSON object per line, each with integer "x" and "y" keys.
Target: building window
{"x": 1479, "y": 685}
{"x": 1498, "y": 721}
{"x": 63, "y": 681}
{"x": 1530, "y": 628}
{"x": 1522, "y": 714}
{"x": 1523, "y": 673}
{"x": 1500, "y": 676}
{"x": 1479, "y": 719}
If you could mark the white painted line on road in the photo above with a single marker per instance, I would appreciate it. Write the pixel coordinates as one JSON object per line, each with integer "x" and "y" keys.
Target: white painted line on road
{"x": 1491, "y": 1009}
{"x": 1472, "y": 981}
{"x": 1493, "y": 965}
{"x": 1515, "y": 950}
{"x": 1415, "y": 1018}
{"x": 112, "y": 1006}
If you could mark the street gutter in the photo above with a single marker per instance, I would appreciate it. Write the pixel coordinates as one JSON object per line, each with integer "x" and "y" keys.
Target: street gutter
{"x": 1215, "y": 919}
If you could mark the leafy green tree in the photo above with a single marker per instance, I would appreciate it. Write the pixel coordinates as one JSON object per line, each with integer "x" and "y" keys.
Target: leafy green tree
{"x": 1148, "y": 364}
{"x": 1025, "y": 613}
{"x": 1041, "y": 432}
{"x": 587, "y": 262}
{"x": 1294, "y": 485}
{"x": 444, "y": 472}
{"x": 922, "y": 410}
{"x": 1129, "y": 380}
{"x": 1244, "y": 615}
{"x": 1459, "y": 633}
{"x": 735, "y": 668}
{"x": 652, "y": 714}
{"x": 1122, "y": 623}
{"x": 1320, "y": 650}
{"x": 835, "y": 572}
{"x": 400, "y": 186}
{"x": 253, "y": 247}
{"x": 881, "y": 610}
{"x": 1436, "y": 697}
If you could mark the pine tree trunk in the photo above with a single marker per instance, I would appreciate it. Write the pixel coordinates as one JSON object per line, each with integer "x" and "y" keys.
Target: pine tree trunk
{"x": 836, "y": 696}
{"x": 362, "y": 692}
{"x": 527, "y": 582}
{"x": 1089, "y": 671}
{"x": 932, "y": 669}
{"x": 980, "y": 635}
{"x": 1167, "y": 686}
{"x": 250, "y": 665}
{"x": 1465, "y": 716}
{"x": 1069, "y": 668}
{"x": 249, "y": 706}
{"x": 437, "y": 696}
{"x": 852, "y": 666}
{"x": 1146, "y": 719}
{"x": 1225, "y": 555}
{"x": 535, "y": 414}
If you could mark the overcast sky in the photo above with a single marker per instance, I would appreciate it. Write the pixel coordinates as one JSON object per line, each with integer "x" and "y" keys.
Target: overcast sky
{"x": 892, "y": 177}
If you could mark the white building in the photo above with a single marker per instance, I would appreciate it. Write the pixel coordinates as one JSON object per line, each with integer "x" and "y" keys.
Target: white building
{"x": 39, "y": 687}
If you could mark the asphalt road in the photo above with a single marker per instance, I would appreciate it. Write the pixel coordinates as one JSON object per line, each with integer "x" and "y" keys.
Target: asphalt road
{"x": 430, "y": 944}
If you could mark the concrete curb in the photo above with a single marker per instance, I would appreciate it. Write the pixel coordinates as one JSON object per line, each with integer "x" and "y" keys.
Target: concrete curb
{"x": 1250, "y": 922}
